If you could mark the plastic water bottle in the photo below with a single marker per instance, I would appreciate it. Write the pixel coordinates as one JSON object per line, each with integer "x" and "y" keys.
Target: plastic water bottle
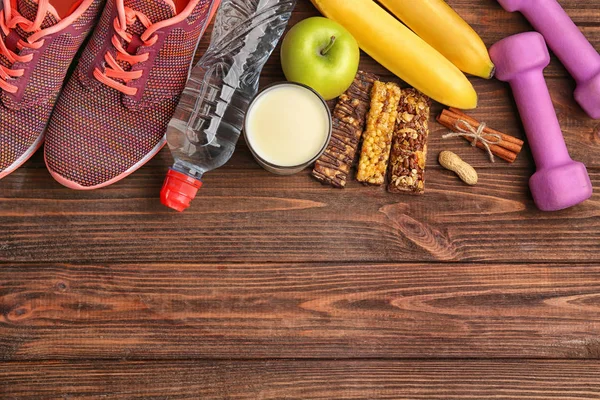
{"x": 207, "y": 123}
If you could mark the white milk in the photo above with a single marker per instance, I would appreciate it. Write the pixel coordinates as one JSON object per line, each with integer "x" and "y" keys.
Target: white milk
{"x": 287, "y": 125}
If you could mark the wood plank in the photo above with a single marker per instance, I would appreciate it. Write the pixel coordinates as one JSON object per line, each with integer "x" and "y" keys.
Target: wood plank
{"x": 489, "y": 20}
{"x": 240, "y": 311}
{"x": 286, "y": 379}
{"x": 248, "y": 215}
{"x": 496, "y": 108}
{"x": 251, "y": 216}
{"x": 496, "y": 105}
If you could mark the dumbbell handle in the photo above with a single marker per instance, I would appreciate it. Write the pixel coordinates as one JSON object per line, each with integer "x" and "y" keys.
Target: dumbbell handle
{"x": 564, "y": 38}
{"x": 541, "y": 124}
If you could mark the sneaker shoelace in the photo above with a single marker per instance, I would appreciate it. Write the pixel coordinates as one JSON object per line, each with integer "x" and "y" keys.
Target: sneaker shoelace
{"x": 10, "y": 18}
{"x": 114, "y": 75}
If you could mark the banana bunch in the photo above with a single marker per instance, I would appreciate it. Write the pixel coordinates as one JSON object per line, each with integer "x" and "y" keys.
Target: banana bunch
{"x": 429, "y": 57}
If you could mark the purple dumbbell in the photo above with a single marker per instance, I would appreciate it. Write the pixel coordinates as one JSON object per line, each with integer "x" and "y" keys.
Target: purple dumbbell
{"x": 559, "y": 181}
{"x": 569, "y": 44}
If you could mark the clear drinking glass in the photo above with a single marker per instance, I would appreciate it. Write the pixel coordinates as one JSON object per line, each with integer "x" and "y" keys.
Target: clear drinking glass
{"x": 278, "y": 169}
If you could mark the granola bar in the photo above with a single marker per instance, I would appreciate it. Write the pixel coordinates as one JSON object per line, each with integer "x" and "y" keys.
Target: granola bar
{"x": 409, "y": 146}
{"x": 377, "y": 139}
{"x": 349, "y": 118}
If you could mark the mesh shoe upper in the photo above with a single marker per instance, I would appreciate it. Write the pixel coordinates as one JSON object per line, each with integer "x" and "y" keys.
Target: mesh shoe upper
{"x": 25, "y": 113}
{"x": 98, "y": 133}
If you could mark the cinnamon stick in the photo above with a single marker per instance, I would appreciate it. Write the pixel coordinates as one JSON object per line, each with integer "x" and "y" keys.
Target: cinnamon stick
{"x": 507, "y": 149}
{"x": 475, "y": 123}
{"x": 508, "y": 142}
{"x": 498, "y": 151}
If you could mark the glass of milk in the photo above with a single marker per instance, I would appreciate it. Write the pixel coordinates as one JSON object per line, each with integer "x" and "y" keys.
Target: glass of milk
{"x": 287, "y": 127}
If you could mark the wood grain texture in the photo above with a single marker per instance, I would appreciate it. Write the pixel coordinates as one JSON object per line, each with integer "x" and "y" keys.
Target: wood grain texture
{"x": 243, "y": 311}
{"x": 250, "y": 216}
{"x": 244, "y": 214}
{"x": 325, "y": 380}
{"x": 107, "y": 294}
{"x": 485, "y": 16}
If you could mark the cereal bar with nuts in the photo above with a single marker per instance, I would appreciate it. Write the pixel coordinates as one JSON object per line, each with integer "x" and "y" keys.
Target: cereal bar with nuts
{"x": 377, "y": 139}
{"x": 349, "y": 117}
{"x": 409, "y": 144}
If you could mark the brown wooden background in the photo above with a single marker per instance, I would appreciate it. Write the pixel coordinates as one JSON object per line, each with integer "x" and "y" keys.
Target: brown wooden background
{"x": 277, "y": 287}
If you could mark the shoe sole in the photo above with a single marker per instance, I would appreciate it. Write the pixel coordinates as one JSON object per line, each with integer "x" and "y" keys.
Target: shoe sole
{"x": 23, "y": 159}
{"x": 76, "y": 186}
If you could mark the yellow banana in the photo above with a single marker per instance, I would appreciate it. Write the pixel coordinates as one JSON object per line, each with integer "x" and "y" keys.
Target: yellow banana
{"x": 440, "y": 26}
{"x": 401, "y": 51}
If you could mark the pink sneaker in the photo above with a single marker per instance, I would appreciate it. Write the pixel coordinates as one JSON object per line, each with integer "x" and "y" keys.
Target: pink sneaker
{"x": 38, "y": 41}
{"x": 113, "y": 114}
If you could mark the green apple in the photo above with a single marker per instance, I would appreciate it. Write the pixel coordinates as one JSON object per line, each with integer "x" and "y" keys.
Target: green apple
{"x": 321, "y": 54}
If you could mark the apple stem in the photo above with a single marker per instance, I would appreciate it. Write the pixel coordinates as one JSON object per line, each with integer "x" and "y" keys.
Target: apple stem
{"x": 329, "y": 46}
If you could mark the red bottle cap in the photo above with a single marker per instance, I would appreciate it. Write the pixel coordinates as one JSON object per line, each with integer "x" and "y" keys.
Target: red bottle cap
{"x": 179, "y": 190}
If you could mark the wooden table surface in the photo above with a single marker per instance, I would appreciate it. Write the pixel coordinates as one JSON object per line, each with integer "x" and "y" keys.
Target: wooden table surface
{"x": 277, "y": 287}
